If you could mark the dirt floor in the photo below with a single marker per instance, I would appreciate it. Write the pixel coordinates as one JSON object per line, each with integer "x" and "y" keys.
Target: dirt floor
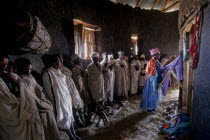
{"x": 132, "y": 123}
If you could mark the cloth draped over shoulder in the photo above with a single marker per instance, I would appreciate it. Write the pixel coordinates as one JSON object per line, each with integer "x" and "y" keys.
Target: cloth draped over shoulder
{"x": 19, "y": 117}
{"x": 76, "y": 99}
{"x": 56, "y": 90}
{"x": 44, "y": 106}
{"x": 96, "y": 82}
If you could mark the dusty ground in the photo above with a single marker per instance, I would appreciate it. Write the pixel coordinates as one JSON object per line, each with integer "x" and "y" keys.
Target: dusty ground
{"x": 132, "y": 123}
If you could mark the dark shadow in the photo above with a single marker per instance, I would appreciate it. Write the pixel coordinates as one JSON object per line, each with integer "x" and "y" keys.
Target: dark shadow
{"x": 115, "y": 129}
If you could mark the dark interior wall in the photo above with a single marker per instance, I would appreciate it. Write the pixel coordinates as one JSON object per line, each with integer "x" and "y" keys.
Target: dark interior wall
{"x": 201, "y": 94}
{"x": 55, "y": 15}
{"x": 201, "y": 90}
{"x": 118, "y": 22}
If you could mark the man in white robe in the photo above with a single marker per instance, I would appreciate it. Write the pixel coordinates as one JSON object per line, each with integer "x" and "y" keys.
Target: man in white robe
{"x": 79, "y": 76}
{"x": 106, "y": 74}
{"x": 57, "y": 91}
{"x": 19, "y": 116}
{"x": 111, "y": 65}
{"x": 142, "y": 74}
{"x": 96, "y": 82}
{"x": 135, "y": 69}
{"x": 44, "y": 106}
{"x": 121, "y": 87}
{"x": 77, "y": 103}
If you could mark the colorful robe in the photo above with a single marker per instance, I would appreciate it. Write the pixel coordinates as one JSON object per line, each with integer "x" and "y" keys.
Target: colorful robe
{"x": 150, "y": 95}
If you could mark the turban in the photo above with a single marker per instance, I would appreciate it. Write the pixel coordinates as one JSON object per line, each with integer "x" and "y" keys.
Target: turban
{"x": 142, "y": 56}
{"x": 120, "y": 52}
{"x": 154, "y": 51}
{"x": 94, "y": 54}
{"x": 74, "y": 57}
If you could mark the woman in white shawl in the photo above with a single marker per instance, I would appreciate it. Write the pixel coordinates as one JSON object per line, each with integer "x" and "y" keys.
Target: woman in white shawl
{"x": 57, "y": 91}
{"x": 19, "y": 116}
{"x": 24, "y": 68}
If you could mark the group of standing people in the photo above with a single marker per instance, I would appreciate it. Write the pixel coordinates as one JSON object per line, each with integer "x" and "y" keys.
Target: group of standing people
{"x": 29, "y": 111}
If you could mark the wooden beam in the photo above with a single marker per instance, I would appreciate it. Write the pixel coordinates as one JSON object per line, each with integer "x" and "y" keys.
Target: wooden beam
{"x": 138, "y": 3}
{"x": 170, "y": 7}
{"x": 157, "y": 1}
{"x": 117, "y": 1}
{"x": 164, "y": 5}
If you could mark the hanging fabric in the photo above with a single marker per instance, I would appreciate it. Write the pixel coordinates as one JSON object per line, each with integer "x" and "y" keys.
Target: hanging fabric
{"x": 194, "y": 49}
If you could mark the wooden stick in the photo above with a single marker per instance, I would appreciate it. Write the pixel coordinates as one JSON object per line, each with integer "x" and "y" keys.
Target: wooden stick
{"x": 174, "y": 75}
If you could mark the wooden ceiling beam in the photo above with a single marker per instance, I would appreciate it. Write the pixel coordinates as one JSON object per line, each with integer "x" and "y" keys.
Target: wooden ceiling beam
{"x": 164, "y": 5}
{"x": 170, "y": 7}
{"x": 138, "y": 3}
{"x": 157, "y": 1}
{"x": 117, "y": 1}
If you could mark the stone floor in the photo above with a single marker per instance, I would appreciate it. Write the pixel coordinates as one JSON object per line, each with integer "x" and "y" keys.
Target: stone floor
{"x": 132, "y": 123}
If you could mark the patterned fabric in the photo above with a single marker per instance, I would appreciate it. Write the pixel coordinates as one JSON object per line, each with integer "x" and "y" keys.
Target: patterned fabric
{"x": 151, "y": 68}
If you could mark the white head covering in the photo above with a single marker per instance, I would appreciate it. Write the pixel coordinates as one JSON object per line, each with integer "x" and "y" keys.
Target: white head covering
{"x": 120, "y": 52}
{"x": 94, "y": 54}
{"x": 142, "y": 56}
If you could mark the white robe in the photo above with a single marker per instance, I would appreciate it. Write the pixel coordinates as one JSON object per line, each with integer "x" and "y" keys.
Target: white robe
{"x": 60, "y": 97}
{"x": 19, "y": 117}
{"x": 134, "y": 76}
{"x": 44, "y": 106}
{"x": 96, "y": 82}
{"x": 106, "y": 75}
{"x": 142, "y": 78}
{"x": 112, "y": 83}
{"x": 121, "y": 84}
{"x": 76, "y": 99}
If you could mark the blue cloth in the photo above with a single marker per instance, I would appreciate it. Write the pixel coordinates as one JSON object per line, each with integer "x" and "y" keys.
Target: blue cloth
{"x": 160, "y": 71}
{"x": 177, "y": 65}
{"x": 149, "y": 100}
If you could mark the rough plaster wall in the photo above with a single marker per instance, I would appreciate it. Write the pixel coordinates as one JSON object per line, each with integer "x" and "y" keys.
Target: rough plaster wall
{"x": 118, "y": 22}
{"x": 201, "y": 95}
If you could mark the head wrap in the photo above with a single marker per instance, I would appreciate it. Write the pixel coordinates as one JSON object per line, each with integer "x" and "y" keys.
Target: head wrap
{"x": 142, "y": 56}
{"x": 94, "y": 54}
{"x": 154, "y": 51}
{"x": 120, "y": 52}
{"x": 74, "y": 57}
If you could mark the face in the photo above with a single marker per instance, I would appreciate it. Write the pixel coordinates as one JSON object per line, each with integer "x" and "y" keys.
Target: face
{"x": 121, "y": 56}
{"x": 157, "y": 56}
{"x": 28, "y": 69}
{"x": 126, "y": 58}
{"x": 95, "y": 59}
{"x": 77, "y": 60}
{"x": 57, "y": 64}
{"x": 136, "y": 57}
{"x": 3, "y": 64}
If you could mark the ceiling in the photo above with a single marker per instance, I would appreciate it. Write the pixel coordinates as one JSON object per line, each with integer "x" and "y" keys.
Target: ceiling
{"x": 161, "y": 5}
